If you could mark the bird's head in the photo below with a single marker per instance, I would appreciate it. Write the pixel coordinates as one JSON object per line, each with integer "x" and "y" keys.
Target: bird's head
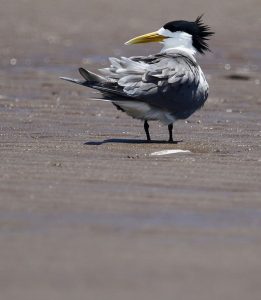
{"x": 184, "y": 35}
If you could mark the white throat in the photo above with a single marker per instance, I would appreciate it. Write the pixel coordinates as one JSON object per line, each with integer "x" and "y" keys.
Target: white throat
{"x": 179, "y": 40}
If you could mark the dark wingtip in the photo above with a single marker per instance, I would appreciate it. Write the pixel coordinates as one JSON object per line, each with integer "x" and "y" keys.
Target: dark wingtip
{"x": 84, "y": 73}
{"x": 71, "y": 80}
{"x": 81, "y": 70}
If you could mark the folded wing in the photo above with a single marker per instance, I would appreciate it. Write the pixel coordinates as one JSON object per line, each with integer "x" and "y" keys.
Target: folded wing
{"x": 168, "y": 81}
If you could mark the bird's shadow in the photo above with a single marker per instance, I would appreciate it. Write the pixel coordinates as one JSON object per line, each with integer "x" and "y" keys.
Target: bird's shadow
{"x": 129, "y": 141}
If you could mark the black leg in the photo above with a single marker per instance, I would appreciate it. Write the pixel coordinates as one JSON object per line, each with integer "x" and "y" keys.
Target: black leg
{"x": 170, "y": 127}
{"x": 146, "y": 128}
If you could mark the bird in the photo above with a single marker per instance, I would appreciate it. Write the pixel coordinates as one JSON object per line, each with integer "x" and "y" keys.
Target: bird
{"x": 166, "y": 86}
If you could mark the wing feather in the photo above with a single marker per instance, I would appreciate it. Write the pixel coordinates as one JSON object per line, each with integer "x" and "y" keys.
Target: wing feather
{"x": 169, "y": 81}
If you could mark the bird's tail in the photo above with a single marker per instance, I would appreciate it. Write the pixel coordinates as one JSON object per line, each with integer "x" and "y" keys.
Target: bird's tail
{"x": 91, "y": 79}
{"x": 109, "y": 88}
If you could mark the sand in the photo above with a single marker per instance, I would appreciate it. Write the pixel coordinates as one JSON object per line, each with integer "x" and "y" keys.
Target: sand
{"x": 86, "y": 212}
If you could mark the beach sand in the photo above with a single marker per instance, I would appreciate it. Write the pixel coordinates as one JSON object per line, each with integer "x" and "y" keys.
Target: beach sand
{"x": 86, "y": 212}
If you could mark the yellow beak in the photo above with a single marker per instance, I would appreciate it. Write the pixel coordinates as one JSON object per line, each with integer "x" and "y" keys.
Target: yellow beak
{"x": 146, "y": 38}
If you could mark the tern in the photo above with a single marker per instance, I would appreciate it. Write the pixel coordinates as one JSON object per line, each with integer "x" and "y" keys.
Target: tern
{"x": 166, "y": 86}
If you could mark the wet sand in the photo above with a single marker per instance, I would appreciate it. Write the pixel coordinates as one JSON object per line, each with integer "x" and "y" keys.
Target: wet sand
{"x": 86, "y": 212}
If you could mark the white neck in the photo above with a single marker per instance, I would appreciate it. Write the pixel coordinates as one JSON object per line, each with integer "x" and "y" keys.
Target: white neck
{"x": 177, "y": 40}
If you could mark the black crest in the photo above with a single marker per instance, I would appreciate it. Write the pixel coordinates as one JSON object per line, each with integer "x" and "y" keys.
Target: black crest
{"x": 199, "y": 31}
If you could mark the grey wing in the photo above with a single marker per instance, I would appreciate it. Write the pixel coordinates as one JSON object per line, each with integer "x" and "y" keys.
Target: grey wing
{"x": 170, "y": 82}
